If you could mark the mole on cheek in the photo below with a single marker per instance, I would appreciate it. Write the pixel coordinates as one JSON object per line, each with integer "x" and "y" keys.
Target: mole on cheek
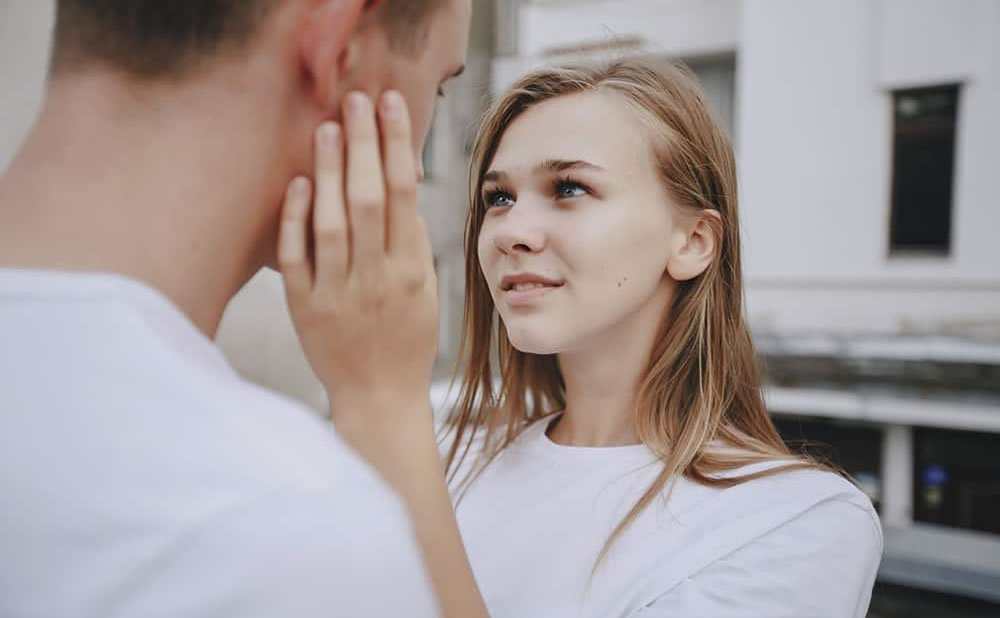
{"x": 622, "y": 281}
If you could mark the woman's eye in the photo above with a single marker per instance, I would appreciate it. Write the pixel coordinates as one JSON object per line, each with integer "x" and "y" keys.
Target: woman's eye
{"x": 499, "y": 199}
{"x": 568, "y": 189}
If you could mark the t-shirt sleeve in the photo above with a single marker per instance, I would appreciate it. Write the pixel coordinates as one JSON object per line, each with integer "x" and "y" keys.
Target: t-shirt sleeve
{"x": 290, "y": 553}
{"x": 821, "y": 564}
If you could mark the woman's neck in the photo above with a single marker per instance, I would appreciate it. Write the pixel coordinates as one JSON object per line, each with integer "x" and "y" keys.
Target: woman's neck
{"x": 603, "y": 380}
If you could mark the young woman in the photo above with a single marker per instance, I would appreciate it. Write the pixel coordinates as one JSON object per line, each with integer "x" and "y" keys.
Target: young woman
{"x": 628, "y": 463}
{"x": 612, "y": 454}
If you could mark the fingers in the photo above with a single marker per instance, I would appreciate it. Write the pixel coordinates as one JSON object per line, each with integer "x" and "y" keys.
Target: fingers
{"x": 423, "y": 252}
{"x": 365, "y": 190}
{"x": 365, "y": 198}
{"x": 293, "y": 254}
{"x": 400, "y": 175}
{"x": 330, "y": 222}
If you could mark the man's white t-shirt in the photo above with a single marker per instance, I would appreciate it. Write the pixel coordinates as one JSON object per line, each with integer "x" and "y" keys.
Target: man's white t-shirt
{"x": 140, "y": 476}
{"x": 799, "y": 544}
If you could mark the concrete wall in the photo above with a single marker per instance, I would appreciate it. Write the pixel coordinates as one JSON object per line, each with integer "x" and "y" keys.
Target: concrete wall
{"x": 25, "y": 27}
{"x": 675, "y": 26}
{"x": 815, "y": 86}
{"x": 549, "y": 31}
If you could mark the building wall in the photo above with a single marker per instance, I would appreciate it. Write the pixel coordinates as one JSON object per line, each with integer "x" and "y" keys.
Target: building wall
{"x": 548, "y": 31}
{"x": 815, "y": 135}
{"x": 24, "y": 39}
{"x": 686, "y": 26}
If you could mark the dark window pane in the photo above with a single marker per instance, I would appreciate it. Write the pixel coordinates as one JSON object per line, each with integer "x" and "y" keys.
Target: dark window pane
{"x": 857, "y": 449}
{"x": 957, "y": 479}
{"x": 894, "y": 600}
{"x": 923, "y": 169}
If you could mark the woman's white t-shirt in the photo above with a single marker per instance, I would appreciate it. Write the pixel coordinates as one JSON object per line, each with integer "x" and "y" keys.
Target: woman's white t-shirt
{"x": 798, "y": 544}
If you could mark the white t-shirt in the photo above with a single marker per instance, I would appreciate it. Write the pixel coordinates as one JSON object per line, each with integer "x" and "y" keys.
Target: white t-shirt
{"x": 140, "y": 476}
{"x": 801, "y": 544}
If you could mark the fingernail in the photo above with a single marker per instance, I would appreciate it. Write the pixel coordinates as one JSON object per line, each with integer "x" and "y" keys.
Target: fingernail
{"x": 392, "y": 103}
{"x": 299, "y": 186}
{"x": 329, "y": 134}
{"x": 357, "y": 103}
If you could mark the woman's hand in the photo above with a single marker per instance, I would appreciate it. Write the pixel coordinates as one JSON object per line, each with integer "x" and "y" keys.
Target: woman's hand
{"x": 364, "y": 297}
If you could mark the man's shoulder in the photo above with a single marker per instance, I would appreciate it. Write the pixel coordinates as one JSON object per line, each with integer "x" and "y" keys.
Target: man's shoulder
{"x": 285, "y": 440}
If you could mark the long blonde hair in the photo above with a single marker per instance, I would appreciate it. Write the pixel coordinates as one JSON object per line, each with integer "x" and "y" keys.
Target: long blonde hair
{"x": 702, "y": 382}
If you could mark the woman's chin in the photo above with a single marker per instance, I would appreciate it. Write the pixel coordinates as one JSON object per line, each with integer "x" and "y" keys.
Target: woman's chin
{"x": 534, "y": 343}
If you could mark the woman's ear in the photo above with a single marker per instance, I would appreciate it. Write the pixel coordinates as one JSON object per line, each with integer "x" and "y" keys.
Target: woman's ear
{"x": 697, "y": 244}
{"x": 328, "y": 47}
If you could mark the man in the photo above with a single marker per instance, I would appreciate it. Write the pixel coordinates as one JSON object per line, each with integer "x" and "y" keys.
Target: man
{"x": 139, "y": 475}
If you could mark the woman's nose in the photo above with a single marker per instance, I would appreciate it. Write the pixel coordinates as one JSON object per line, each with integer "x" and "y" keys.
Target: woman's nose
{"x": 520, "y": 231}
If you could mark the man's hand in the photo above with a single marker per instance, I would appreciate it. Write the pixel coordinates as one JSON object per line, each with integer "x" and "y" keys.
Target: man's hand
{"x": 364, "y": 299}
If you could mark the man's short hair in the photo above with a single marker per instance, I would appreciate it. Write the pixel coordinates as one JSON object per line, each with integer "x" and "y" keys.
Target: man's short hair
{"x": 163, "y": 38}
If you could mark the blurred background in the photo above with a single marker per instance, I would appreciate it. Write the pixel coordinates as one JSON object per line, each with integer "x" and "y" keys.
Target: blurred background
{"x": 868, "y": 138}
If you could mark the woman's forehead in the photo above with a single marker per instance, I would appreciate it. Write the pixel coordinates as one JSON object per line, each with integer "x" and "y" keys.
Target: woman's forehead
{"x": 595, "y": 126}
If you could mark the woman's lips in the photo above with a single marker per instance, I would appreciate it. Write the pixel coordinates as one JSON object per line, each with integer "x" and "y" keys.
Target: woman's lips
{"x": 524, "y": 291}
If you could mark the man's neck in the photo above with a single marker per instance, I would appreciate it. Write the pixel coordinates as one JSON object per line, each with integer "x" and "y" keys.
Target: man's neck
{"x": 169, "y": 191}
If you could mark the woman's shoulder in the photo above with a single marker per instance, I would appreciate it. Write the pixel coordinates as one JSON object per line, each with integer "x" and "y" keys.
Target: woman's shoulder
{"x": 783, "y": 493}
{"x": 815, "y": 496}
{"x": 773, "y": 542}
{"x": 825, "y": 484}
{"x": 791, "y": 477}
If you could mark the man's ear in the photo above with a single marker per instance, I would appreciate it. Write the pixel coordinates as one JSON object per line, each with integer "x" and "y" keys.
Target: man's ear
{"x": 695, "y": 246}
{"x": 328, "y": 44}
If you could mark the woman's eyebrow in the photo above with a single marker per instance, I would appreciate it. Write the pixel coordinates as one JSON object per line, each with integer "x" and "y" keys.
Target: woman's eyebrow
{"x": 549, "y": 166}
{"x": 494, "y": 176}
{"x": 561, "y": 165}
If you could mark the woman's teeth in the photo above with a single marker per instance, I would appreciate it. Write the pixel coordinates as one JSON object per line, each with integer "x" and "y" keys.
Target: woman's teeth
{"x": 524, "y": 287}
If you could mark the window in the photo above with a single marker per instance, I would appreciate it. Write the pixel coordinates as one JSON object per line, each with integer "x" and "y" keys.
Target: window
{"x": 718, "y": 80}
{"x": 855, "y": 448}
{"x": 923, "y": 170}
{"x": 957, "y": 479}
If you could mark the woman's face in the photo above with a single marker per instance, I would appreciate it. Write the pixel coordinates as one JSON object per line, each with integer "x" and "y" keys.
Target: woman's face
{"x": 576, "y": 238}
